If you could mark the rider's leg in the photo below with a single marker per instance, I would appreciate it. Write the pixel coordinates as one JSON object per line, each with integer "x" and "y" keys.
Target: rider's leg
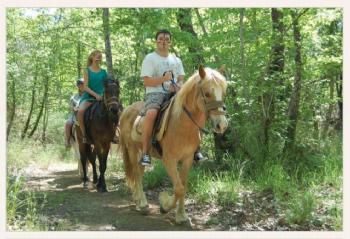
{"x": 80, "y": 117}
{"x": 68, "y": 130}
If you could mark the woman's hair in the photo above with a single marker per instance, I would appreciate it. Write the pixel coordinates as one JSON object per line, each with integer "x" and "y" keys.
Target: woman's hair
{"x": 92, "y": 54}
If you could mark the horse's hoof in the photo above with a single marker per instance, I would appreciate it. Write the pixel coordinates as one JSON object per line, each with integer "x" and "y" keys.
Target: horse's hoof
{"x": 183, "y": 220}
{"x": 144, "y": 210}
{"x": 85, "y": 185}
{"x": 162, "y": 210}
{"x": 102, "y": 190}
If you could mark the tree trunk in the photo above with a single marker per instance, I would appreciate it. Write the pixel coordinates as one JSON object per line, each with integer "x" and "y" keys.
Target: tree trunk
{"x": 275, "y": 72}
{"x": 184, "y": 19}
{"x": 241, "y": 48}
{"x": 46, "y": 89}
{"x": 79, "y": 59}
{"x": 12, "y": 107}
{"x": 339, "y": 87}
{"x": 108, "y": 50}
{"x": 293, "y": 107}
{"x": 45, "y": 119}
{"x": 26, "y": 126}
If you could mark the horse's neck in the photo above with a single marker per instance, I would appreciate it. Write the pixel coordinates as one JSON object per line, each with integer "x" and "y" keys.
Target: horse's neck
{"x": 185, "y": 124}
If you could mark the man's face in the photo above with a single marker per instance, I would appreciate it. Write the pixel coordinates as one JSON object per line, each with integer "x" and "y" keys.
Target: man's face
{"x": 163, "y": 41}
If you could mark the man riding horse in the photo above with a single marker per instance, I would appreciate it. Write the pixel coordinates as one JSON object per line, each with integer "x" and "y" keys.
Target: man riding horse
{"x": 162, "y": 73}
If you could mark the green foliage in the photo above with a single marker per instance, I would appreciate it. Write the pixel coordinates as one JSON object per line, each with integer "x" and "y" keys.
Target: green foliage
{"x": 22, "y": 206}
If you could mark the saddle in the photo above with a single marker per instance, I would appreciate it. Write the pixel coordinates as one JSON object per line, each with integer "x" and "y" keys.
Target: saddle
{"x": 88, "y": 114}
{"x": 160, "y": 125}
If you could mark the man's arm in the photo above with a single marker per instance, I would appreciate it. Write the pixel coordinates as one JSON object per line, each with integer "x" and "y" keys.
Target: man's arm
{"x": 155, "y": 81}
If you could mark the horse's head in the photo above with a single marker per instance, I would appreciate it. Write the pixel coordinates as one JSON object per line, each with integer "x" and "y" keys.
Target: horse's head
{"x": 111, "y": 93}
{"x": 212, "y": 90}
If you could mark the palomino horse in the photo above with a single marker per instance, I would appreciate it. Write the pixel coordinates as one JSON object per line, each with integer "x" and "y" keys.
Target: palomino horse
{"x": 103, "y": 124}
{"x": 200, "y": 97}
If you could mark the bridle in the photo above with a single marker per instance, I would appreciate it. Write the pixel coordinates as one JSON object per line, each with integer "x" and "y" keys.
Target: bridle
{"x": 210, "y": 107}
{"x": 113, "y": 100}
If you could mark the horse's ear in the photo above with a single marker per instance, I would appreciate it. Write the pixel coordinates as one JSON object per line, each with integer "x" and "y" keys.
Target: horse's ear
{"x": 222, "y": 69}
{"x": 201, "y": 71}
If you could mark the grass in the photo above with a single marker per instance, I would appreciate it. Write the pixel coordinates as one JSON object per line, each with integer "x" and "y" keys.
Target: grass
{"x": 22, "y": 206}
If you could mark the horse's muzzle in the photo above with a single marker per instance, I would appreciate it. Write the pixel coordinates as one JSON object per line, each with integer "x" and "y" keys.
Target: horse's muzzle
{"x": 220, "y": 124}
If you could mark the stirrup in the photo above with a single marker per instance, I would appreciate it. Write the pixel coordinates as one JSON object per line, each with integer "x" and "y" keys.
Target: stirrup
{"x": 85, "y": 140}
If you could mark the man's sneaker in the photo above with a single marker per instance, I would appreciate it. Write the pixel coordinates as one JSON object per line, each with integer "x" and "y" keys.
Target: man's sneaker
{"x": 145, "y": 160}
{"x": 198, "y": 156}
{"x": 115, "y": 140}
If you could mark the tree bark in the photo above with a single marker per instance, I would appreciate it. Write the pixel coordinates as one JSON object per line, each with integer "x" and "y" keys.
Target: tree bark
{"x": 339, "y": 87}
{"x": 241, "y": 50}
{"x": 275, "y": 72}
{"x": 26, "y": 126}
{"x": 45, "y": 94}
{"x": 108, "y": 50}
{"x": 293, "y": 107}
{"x": 12, "y": 106}
{"x": 79, "y": 59}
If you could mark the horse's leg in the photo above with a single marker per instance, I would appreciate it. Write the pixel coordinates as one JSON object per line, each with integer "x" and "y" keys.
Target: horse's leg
{"x": 143, "y": 203}
{"x": 138, "y": 194}
{"x": 102, "y": 153}
{"x": 181, "y": 215}
{"x": 83, "y": 156}
{"x": 169, "y": 202}
{"x": 92, "y": 159}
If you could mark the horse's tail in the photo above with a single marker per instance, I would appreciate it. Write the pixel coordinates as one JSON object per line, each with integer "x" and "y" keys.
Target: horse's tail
{"x": 130, "y": 170}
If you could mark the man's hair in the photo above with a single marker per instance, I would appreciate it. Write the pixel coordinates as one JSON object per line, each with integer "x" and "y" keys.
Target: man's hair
{"x": 163, "y": 31}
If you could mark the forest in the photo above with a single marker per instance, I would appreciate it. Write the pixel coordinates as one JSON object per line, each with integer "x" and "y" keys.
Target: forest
{"x": 278, "y": 166}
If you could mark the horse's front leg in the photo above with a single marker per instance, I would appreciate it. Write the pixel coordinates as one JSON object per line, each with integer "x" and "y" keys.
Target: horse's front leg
{"x": 83, "y": 159}
{"x": 181, "y": 215}
{"x": 92, "y": 159}
{"x": 102, "y": 153}
{"x": 169, "y": 202}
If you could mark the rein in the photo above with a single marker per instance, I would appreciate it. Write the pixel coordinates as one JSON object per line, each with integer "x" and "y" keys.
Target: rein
{"x": 113, "y": 100}
{"x": 210, "y": 107}
{"x": 189, "y": 114}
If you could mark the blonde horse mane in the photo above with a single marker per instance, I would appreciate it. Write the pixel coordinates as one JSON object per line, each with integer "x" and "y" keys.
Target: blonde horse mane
{"x": 188, "y": 92}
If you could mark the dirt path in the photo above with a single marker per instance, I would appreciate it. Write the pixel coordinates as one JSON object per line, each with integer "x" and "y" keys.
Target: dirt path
{"x": 70, "y": 207}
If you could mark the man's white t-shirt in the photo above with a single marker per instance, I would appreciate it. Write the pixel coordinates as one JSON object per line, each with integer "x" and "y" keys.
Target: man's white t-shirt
{"x": 155, "y": 65}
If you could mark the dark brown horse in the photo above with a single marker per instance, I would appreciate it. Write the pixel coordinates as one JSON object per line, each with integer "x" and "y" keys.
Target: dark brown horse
{"x": 101, "y": 129}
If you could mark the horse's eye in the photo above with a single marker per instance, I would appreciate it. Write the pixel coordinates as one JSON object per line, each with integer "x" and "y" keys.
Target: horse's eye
{"x": 207, "y": 94}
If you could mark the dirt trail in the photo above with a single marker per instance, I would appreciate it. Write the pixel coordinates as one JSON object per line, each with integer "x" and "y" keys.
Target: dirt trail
{"x": 70, "y": 207}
